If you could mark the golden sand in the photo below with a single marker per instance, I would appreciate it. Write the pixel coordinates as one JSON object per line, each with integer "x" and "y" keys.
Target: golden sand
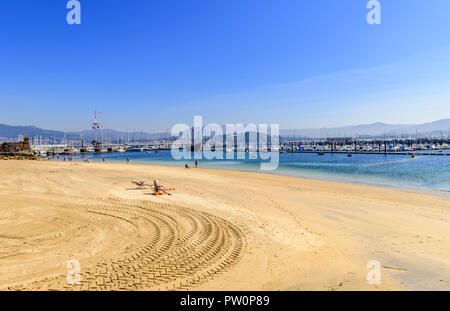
{"x": 221, "y": 230}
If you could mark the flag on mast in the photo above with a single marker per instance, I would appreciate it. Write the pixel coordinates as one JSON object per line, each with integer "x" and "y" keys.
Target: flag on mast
{"x": 96, "y": 124}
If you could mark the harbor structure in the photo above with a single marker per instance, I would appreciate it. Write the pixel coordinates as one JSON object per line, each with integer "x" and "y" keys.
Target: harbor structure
{"x": 21, "y": 149}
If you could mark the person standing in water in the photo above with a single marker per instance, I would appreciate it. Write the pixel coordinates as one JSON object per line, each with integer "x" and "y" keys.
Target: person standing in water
{"x": 196, "y": 164}
{"x": 128, "y": 160}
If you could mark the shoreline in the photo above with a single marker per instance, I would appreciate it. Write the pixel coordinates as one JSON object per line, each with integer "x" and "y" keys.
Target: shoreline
{"x": 440, "y": 193}
{"x": 279, "y": 232}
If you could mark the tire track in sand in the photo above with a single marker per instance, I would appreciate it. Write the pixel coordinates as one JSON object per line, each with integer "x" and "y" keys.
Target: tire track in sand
{"x": 185, "y": 248}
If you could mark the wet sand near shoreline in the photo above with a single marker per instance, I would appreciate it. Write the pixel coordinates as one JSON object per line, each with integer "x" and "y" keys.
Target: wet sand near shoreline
{"x": 220, "y": 230}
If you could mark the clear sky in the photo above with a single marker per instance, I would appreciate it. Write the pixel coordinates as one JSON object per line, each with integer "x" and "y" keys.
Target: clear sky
{"x": 148, "y": 64}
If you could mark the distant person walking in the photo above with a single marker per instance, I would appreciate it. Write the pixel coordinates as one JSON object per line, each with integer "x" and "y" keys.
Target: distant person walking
{"x": 104, "y": 160}
{"x": 196, "y": 164}
{"x": 128, "y": 160}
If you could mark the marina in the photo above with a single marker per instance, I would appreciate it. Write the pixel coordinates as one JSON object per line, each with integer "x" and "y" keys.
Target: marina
{"x": 417, "y": 147}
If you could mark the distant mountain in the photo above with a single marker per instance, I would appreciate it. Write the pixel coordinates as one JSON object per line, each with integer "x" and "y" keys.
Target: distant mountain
{"x": 433, "y": 127}
{"x": 436, "y": 128}
{"x": 8, "y": 132}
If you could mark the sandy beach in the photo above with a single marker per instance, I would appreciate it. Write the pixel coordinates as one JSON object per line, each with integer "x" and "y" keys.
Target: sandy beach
{"x": 220, "y": 230}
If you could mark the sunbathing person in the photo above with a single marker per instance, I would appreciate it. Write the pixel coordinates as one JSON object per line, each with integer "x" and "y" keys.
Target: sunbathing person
{"x": 139, "y": 183}
{"x": 159, "y": 188}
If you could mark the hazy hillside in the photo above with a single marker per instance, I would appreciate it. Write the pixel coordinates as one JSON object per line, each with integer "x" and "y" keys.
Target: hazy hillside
{"x": 436, "y": 128}
{"x": 12, "y": 132}
{"x": 8, "y": 131}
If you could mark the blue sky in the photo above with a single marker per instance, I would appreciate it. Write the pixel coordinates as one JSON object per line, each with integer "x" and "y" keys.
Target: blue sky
{"x": 147, "y": 65}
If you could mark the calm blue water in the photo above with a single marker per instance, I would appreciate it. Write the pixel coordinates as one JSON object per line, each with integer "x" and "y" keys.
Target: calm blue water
{"x": 398, "y": 171}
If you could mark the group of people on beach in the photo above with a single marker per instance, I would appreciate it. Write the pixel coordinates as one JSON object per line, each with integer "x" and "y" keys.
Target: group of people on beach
{"x": 187, "y": 165}
{"x": 127, "y": 160}
{"x": 70, "y": 159}
{"x": 157, "y": 187}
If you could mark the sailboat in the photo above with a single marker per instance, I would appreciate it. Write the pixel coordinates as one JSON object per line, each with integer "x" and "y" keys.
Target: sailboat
{"x": 96, "y": 126}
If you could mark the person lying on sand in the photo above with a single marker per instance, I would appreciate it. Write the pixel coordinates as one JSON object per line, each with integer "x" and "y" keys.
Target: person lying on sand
{"x": 139, "y": 183}
{"x": 159, "y": 187}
